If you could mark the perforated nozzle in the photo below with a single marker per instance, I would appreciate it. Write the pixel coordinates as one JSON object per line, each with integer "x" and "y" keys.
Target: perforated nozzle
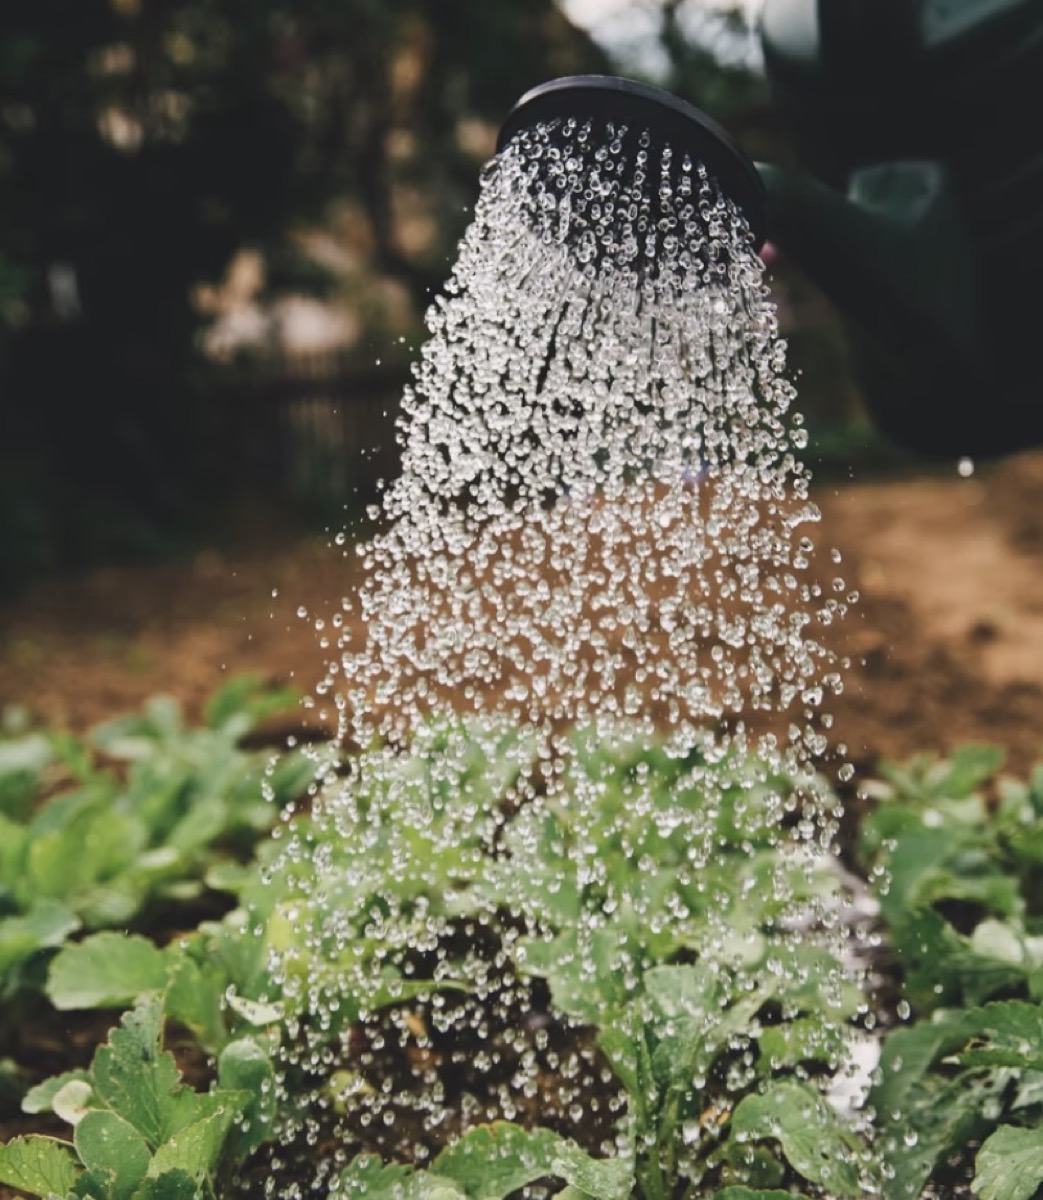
{"x": 604, "y": 99}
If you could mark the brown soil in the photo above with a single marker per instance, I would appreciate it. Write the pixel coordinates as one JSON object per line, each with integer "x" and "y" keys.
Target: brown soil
{"x": 946, "y": 643}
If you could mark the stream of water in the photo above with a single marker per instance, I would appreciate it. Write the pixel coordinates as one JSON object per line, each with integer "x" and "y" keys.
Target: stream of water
{"x": 600, "y": 536}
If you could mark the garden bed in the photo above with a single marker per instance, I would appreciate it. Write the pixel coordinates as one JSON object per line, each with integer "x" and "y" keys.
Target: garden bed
{"x": 947, "y": 647}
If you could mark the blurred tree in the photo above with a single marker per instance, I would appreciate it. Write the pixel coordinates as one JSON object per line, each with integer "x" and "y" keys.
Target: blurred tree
{"x": 708, "y": 51}
{"x": 142, "y": 143}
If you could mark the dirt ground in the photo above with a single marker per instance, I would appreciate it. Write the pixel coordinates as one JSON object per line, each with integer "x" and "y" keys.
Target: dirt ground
{"x": 947, "y": 641}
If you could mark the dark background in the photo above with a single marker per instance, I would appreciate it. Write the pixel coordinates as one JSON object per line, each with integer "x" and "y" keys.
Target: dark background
{"x": 154, "y": 154}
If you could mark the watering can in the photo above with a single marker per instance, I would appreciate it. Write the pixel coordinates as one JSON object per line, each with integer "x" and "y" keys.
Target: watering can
{"x": 921, "y": 213}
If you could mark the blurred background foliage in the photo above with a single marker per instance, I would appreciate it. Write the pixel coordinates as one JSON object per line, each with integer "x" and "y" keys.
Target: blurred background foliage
{"x": 190, "y": 190}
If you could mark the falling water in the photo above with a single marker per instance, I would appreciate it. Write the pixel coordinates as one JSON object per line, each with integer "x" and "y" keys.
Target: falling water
{"x": 599, "y": 537}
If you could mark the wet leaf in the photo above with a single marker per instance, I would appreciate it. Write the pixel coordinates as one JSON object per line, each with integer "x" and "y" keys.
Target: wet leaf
{"x": 42, "y": 1166}
{"x": 171, "y": 1185}
{"x": 195, "y": 1148}
{"x": 740, "y": 1192}
{"x": 1009, "y": 1165}
{"x": 937, "y": 1118}
{"x": 40, "y": 1099}
{"x": 492, "y": 1161}
{"x": 1012, "y": 1033}
{"x": 136, "y": 1077}
{"x": 107, "y": 1143}
{"x": 809, "y": 1132}
{"x": 245, "y": 1068}
{"x": 106, "y": 970}
{"x": 367, "y": 1178}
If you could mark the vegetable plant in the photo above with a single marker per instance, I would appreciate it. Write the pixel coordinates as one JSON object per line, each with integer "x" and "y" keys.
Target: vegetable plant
{"x": 136, "y": 814}
{"x": 139, "y": 1131}
{"x": 719, "y": 1028}
{"x": 957, "y": 850}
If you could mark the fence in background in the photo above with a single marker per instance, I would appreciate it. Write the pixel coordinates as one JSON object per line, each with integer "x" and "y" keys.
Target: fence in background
{"x": 317, "y": 428}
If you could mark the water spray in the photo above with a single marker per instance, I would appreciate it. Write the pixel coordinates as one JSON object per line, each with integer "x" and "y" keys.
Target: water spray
{"x": 596, "y": 558}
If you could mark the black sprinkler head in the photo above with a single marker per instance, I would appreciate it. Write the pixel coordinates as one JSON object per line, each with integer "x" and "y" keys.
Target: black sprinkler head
{"x": 606, "y": 99}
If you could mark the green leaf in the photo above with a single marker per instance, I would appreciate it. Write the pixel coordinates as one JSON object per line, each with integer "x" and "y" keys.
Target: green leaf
{"x": 942, "y": 968}
{"x": 492, "y": 1161}
{"x": 290, "y": 778}
{"x": 171, "y": 1185}
{"x": 809, "y": 1132}
{"x": 21, "y": 762}
{"x": 40, "y": 1099}
{"x": 584, "y": 974}
{"x": 1013, "y": 1035}
{"x": 367, "y": 1178}
{"x": 793, "y": 1042}
{"x": 196, "y": 1148}
{"x": 107, "y": 970}
{"x": 756, "y": 1164}
{"x": 599, "y": 1178}
{"x": 200, "y": 826}
{"x": 93, "y": 848}
{"x": 195, "y": 997}
{"x": 136, "y": 1078}
{"x": 247, "y": 699}
{"x": 106, "y": 1143}
{"x": 684, "y": 991}
{"x": 969, "y": 767}
{"x": 244, "y": 1067}
{"x": 495, "y": 1160}
{"x": 906, "y": 1058}
{"x": 939, "y": 1117}
{"x": 1027, "y": 844}
{"x": 74, "y": 754}
{"x": 927, "y": 780}
{"x": 740, "y": 1192}
{"x": 47, "y": 923}
{"x": 40, "y": 1165}
{"x": 1009, "y": 1165}
{"x": 915, "y": 865}
{"x": 626, "y": 1050}
{"x": 137, "y": 737}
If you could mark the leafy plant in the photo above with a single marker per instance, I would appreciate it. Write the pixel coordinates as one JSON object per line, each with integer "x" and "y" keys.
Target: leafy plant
{"x": 139, "y": 1132}
{"x": 722, "y": 1023}
{"x": 955, "y": 850}
{"x": 491, "y": 1162}
{"x": 138, "y": 813}
{"x": 957, "y": 874}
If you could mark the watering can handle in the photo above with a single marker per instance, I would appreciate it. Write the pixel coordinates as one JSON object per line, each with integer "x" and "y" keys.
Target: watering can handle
{"x": 892, "y": 252}
{"x": 866, "y": 34}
